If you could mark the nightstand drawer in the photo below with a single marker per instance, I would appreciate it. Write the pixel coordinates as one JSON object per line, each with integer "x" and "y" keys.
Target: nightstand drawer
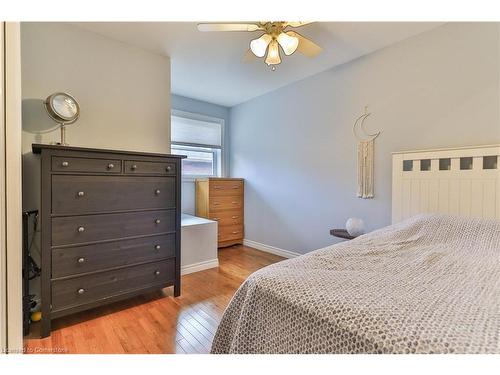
{"x": 230, "y": 232}
{"x": 226, "y": 188}
{"x": 226, "y": 203}
{"x": 228, "y": 217}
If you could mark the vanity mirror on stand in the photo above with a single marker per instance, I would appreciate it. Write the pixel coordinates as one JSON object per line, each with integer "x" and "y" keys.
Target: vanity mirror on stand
{"x": 63, "y": 109}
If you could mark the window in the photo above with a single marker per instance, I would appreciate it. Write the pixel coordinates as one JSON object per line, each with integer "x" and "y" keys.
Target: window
{"x": 407, "y": 165}
{"x": 465, "y": 163}
{"x": 445, "y": 164}
{"x": 425, "y": 164}
{"x": 200, "y": 139}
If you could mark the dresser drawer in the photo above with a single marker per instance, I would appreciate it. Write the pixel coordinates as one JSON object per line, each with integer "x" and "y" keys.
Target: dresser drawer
{"x": 81, "y": 229}
{"x": 227, "y": 217}
{"x": 72, "y": 164}
{"x": 91, "y": 194}
{"x": 226, "y": 188}
{"x": 85, "y": 289}
{"x": 230, "y": 232}
{"x": 81, "y": 259}
{"x": 225, "y": 203}
{"x": 149, "y": 167}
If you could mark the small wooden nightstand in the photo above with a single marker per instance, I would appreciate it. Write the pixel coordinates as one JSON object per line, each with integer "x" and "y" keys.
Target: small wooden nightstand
{"x": 341, "y": 233}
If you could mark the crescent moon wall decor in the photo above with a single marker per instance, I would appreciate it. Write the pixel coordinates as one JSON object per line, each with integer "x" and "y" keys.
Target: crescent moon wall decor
{"x": 366, "y": 151}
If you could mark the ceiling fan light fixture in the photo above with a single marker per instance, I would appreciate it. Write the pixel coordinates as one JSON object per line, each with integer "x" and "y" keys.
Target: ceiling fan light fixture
{"x": 273, "y": 54}
{"x": 259, "y": 45}
{"x": 274, "y": 36}
{"x": 288, "y": 43}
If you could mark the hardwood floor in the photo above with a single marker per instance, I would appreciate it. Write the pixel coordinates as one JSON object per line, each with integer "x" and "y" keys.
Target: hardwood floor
{"x": 157, "y": 322}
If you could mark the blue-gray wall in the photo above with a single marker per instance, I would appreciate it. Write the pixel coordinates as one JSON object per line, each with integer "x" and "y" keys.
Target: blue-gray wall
{"x": 182, "y": 103}
{"x": 295, "y": 146}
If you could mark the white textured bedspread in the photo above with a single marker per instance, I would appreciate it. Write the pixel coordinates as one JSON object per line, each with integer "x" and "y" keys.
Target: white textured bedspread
{"x": 430, "y": 284}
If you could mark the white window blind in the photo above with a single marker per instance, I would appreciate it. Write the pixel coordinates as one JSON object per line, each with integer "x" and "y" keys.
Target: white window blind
{"x": 200, "y": 139}
{"x": 196, "y": 132}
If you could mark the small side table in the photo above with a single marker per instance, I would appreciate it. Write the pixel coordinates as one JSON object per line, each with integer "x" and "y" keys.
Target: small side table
{"x": 341, "y": 233}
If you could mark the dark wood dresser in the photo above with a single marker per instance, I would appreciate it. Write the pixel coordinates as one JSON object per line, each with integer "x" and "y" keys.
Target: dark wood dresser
{"x": 110, "y": 226}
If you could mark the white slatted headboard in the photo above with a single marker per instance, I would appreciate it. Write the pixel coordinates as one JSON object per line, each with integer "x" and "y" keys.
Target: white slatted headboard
{"x": 462, "y": 181}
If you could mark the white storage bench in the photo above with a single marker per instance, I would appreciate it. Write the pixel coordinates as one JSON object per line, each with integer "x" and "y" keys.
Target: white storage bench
{"x": 198, "y": 244}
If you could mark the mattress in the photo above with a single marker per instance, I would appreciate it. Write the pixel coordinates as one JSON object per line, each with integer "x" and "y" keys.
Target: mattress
{"x": 430, "y": 284}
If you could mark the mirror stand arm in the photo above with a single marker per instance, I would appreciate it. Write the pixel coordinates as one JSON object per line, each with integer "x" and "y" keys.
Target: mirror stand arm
{"x": 63, "y": 135}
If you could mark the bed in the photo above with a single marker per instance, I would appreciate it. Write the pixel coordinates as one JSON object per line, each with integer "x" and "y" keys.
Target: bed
{"x": 430, "y": 283}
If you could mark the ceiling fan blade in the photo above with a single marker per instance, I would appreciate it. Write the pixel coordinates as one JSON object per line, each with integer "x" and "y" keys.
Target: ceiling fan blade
{"x": 306, "y": 46}
{"x": 228, "y": 27}
{"x": 249, "y": 57}
{"x": 298, "y": 23}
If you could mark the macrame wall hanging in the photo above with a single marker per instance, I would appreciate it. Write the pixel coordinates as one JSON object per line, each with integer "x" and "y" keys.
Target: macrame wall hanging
{"x": 366, "y": 150}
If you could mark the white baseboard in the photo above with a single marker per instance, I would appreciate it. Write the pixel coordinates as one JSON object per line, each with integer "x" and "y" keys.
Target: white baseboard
{"x": 270, "y": 249}
{"x": 196, "y": 267}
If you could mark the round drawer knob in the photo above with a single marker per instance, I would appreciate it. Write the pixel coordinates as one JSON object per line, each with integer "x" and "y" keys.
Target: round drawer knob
{"x": 81, "y": 229}
{"x": 111, "y": 166}
{"x": 65, "y": 164}
{"x": 157, "y": 191}
{"x": 81, "y": 291}
{"x": 81, "y": 260}
{"x": 157, "y": 221}
{"x": 133, "y": 167}
{"x": 169, "y": 168}
{"x": 81, "y": 193}
{"x": 157, "y": 272}
{"x": 157, "y": 247}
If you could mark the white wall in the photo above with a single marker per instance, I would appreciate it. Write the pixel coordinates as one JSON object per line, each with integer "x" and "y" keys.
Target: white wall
{"x": 123, "y": 91}
{"x": 295, "y": 146}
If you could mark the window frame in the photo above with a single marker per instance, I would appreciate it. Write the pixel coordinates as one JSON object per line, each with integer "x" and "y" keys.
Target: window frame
{"x": 206, "y": 149}
{"x": 200, "y": 117}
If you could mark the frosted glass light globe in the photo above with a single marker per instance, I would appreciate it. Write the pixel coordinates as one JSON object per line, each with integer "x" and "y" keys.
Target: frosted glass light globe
{"x": 288, "y": 43}
{"x": 259, "y": 45}
{"x": 355, "y": 227}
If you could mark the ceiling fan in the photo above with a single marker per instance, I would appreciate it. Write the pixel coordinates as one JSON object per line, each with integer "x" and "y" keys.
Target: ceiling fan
{"x": 276, "y": 35}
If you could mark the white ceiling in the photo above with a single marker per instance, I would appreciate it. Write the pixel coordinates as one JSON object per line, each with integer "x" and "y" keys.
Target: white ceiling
{"x": 207, "y": 66}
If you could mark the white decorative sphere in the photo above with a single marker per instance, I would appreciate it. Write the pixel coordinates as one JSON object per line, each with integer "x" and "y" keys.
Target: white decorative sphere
{"x": 355, "y": 227}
